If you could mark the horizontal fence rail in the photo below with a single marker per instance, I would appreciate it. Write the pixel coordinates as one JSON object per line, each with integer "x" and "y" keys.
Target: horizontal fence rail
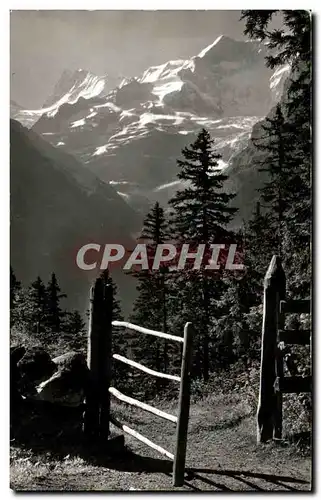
{"x": 302, "y": 306}
{"x": 181, "y": 421}
{"x": 141, "y": 329}
{"x": 140, "y": 437}
{"x": 97, "y": 416}
{"x": 295, "y": 337}
{"x": 145, "y": 369}
{"x": 295, "y": 385}
{"x": 144, "y": 406}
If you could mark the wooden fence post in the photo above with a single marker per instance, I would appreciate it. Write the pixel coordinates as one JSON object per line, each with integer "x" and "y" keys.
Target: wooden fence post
{"x": 96, "y": 422}
{"x": 278, "y": 419}
{"x": 183, "y": 412}
{"x": 91, "y": 417}
{"x": 274, "y": 288}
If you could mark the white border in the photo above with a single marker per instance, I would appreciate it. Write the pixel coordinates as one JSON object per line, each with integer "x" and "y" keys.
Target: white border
{"x": 4, "y": 185}
{"x": 159, "y": 5}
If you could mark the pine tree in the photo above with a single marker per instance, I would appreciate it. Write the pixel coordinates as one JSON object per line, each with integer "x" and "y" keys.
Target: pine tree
{"x": 75, "y": 333}
{"x": 278, "y": 161}
{"x": 155, "y": 230}
{"x": 234, "y": 302}
{"x": 299, "y": 214}
{"x": 15, "y": 289}
{"x": 35, "y": 308}
{"x": 241, "y": 291}
{"x": 15, "y": 286}
{"x": 289, "y": 44}
{"x": 260, "y": 244}
{"x": 241, "y": 299}
{"x": 150, "y": 307}
{"x": 292, "y": 44}
{"x": 201, "y": 213}
{"x": 54, "y": 314}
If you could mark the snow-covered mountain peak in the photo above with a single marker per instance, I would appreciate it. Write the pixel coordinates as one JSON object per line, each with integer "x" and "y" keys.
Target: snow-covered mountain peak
{"x": 209, "y": 47}
{"x": 131, "y": 131}
{"x": 221, "y": 79}
{"x": 76, "y": 84}
{"x": 72, "y": 86}
{"x": 226, "y": 49}
{"x": 164, "y": 78}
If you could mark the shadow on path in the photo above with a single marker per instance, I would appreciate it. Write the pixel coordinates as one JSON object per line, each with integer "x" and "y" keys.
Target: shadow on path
{"x": 240, "y": 475}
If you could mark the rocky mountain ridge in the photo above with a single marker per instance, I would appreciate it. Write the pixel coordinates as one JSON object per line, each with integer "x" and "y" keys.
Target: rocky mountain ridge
{"x": 132, "y": 135}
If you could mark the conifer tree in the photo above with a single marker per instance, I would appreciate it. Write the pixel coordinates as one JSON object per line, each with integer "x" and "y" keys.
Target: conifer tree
{"x": 242, "y": 295}
{"x": 75, "y": 333}
{"x": 150, "y": 307}
{"x": 292, "y": 44}
{"x": 299, "y": 214}
{"x": 278, "y": 161}
{"x": 15, "y": 286}
{"x": 15, "y": 289}
{"x": 201, "y": 213}
{"x": 54, "y": 314}
{"x": 36, "y": 308}
{"x": 260, "y": 244}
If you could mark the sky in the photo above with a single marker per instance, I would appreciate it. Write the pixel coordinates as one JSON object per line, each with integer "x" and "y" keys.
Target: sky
{"x": 118, "y": 43}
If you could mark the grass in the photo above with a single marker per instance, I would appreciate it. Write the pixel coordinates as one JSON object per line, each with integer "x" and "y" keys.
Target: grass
{"x": 222, "y": 454}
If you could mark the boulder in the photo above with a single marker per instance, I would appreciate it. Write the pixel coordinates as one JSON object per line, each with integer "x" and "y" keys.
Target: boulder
{"x": 33, "y": 367}
{"x": 67, "y": 386}
{"x": 47, "y": 394}
{"x": 16, "y": 353}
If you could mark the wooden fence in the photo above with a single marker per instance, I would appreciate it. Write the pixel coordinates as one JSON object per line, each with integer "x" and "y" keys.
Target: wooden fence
{"x": 98, "y": 415}
{"x": 273, "y": 383}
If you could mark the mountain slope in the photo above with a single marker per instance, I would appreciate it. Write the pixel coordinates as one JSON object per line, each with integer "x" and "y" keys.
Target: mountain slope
{"x": 56, "y": 207}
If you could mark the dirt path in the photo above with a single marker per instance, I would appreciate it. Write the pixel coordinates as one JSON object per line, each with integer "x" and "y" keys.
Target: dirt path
{"x": 222, "y": 455}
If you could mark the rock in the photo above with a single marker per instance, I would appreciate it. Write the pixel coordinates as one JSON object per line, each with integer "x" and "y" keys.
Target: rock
{"x": 67, "y": 386}
{"x": 16, "y": 353}
{"x": 34, "y": 366}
